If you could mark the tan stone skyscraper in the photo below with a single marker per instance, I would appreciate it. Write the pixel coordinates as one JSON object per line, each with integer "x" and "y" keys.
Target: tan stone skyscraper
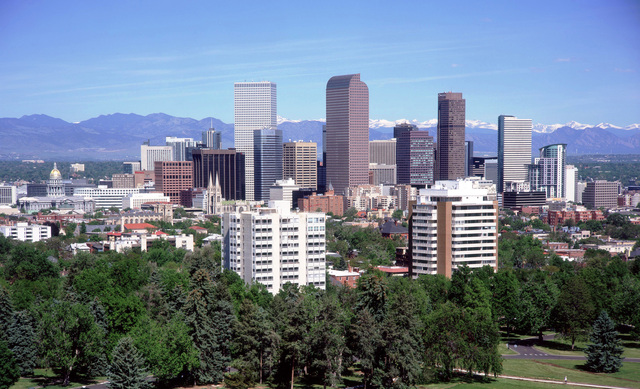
{"x": 299, "y": 161}
{"x": 347, "y": 132}
{"x": 450, "y": 159}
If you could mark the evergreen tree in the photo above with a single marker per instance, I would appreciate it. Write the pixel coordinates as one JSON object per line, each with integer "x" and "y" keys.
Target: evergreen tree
{"x": 23, "y": 343}
{"x": 9, "y": 369}
{"x": 604, "y": 355}
{"x": 6, "y": 313}
{"x": 127, "y": 369}
{"x": 252, "y": 340}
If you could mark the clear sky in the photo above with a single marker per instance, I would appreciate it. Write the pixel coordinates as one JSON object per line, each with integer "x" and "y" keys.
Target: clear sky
{"x": 551, "y": 61}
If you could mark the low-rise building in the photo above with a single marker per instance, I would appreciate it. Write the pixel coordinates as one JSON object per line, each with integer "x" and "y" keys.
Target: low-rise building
{"x": 26, "y": 232}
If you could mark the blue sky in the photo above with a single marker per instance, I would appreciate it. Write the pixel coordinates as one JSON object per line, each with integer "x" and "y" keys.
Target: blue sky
{"x": 551, "y": 61}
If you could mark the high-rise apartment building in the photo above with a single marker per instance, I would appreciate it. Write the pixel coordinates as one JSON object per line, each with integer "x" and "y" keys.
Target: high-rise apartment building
{"x": 453, "y": 224}
{"x": 274, "y": 246}
{"x": 149, "y": 155}
{"x": 267, "y": 160}
{"x": 300, "y": 162}
{"x": 547, "y": 172}
{"x": 451, "y": 129}
{"x": 599, "y": 194}
{"x": 382, "y": 152}
{"x": 225, "y": 165}
{"x": 570, "y": 182}
{"x": 415, "y": 157}
{"x": 171, "y": 177}
{"x": 514, "y": 149}
{"x": 347, "y": 161}
{"x": 255, "y": 109}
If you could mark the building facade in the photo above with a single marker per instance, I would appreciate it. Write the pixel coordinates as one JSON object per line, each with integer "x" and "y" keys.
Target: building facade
{"x": 347, "y": 158}
{"x": 451, "y": 131}
{"x": 599, "y": 194}
{"x": 382, "y": 152}
{"x": 274, "y": 246}
{"x": 106, "y": 197}
{"x": 514, "y": 149}
{"x": 382, "y": 174}
{"x": 181, "y": 147}
{"x": 227, "y": 166}
{"x": 26, "y": 232}
{"x": 8, "y": 195}
{"x": 123, "y": 180}
{"x": 571, "y": 183}
{"x": 267, "y": 157}
{"x": 415, "y": 157}
{"x": 548, "y": 171}
{"x": 172, "y": 177}
{"x": 255, "y": 108}
{"x": 327, "y": 203}
{"x": 300, "y": 162}
{"x": 150, "y": 154}
{"x": 212, "y": 139}
{"x": 453, "y": 224}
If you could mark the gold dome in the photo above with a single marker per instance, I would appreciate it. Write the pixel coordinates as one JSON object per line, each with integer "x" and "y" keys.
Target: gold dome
{"x": 55, "y": 173}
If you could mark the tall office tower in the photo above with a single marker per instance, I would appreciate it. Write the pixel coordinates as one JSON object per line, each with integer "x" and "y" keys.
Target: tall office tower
{"x": 255, "y": 108}
{"x": 570, "y": 183}
{"x": 130, "y": 167}
{"x": 547, "y": 172}
{"x": 453, "y": 224}
{"x": 415, "y": 159}
{"x": 267, "y": 157}
{"x": 274, "y": 246}
{"x": 382, "y": 152}
{"x": 347, "y": 132}
{"x": 212, "y": 139}
{"x": 514, "y": 149}
{"x": 150, "y": 154}
{"x": 599, "y": 194}
{"x": 227, "y": 166}
{"x": 468, "y": 158}
{"x": 8, "y": 194}
{"x": 451, "y": 121}
{"x": 171, "y": 177}
{"x": 180, "y": 146}
{"x": 300, "y": 162}
{"x": 399, "y": 129}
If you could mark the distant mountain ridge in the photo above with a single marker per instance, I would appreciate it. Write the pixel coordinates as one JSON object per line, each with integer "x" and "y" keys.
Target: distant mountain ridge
{"x": 119, "y": 136}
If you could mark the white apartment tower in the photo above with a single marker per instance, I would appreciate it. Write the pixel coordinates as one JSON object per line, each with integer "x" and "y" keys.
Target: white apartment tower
{"x": 453, "y": 224}
{"x": 274, "y": 246}
{"x": 255, "y": 108}
{"x": 570, "y": 183}
{"x": 514, "y": 149}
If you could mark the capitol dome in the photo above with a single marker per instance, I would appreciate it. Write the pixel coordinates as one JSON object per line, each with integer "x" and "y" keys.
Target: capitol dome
{"x": 55, "y": 173}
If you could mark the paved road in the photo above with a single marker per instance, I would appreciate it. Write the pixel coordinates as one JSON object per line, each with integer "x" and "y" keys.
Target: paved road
{"x": 526, "y": 350}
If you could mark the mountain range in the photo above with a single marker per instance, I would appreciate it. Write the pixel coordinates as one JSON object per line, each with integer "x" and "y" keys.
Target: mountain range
{"x": 119, "y": 136}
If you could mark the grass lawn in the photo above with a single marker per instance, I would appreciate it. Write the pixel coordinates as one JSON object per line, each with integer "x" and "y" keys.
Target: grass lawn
{"x": 500, "y": 383}
{"x": 46, "y": 377}
{"x": 502, "y": 349}
{"x": 561, "y": 346}
{"x": 628, "y": 376}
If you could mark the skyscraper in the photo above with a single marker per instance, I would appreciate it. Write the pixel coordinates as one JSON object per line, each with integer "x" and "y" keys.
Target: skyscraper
{"x": 514, "y": 149}
{"x": 224, "y": 166}
{"x": 547, "y": 172}
{"x": 255, "y": 109}
{"x": 415, "y": 158}
{"x": 299, "y": 161}
{"x": 179, "y": 147}
{"x": 150, "y": 154}
{"x": 212, "y": 139}
{"x": 347, "y": 160}
{"x": 267, "y": 157}
{"x": 451, "y": 121}
{"x": 468, "y": 158}
{"x": 171, "y": 177}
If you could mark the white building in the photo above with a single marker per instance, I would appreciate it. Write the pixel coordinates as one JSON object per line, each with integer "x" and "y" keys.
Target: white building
{"x": 8, "y": 195}
{"x": 26, "y": 232}
{"x": 255, "y": 108}
{"x": 135, "y": 200}
{"x": 106, "y": 197}
{"x": 283, "y": 190}
{"x": 150, "y": 154}
{"x": 570, "y": 182}
{"x": 514, "y": 149}
{"x": 179, "y": 147}
{"x": 454, "y": 224}
{"x": 274, "y": 246}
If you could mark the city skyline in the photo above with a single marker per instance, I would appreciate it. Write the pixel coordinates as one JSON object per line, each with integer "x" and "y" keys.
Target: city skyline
{"x": 554, "y": 62}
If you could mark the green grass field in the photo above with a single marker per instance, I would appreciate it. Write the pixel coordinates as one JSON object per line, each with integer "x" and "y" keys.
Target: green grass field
{"x": 628, "y": 376}
{"x": 46, "y": 377}
{"x": 561, "y": 346}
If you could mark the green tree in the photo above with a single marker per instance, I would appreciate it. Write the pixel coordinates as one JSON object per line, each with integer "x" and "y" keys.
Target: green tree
{"x": 574, "y": 310}
{"x": 22, "y": 342}
{"x": 253, "y": 340}
{"x": 367, "y": 343}
{"x": 537, "y": 299}
{"x": 69, "y": 337}
{"x": 604, "y": 354}
{"x": 9, "y": 369}
{"x": 6, "y": 313}
{"x": 127, "y": 369}
{"x": 504, "y": 301}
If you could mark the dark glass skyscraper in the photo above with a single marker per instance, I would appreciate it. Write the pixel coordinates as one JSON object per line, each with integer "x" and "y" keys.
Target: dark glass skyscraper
{"x": 267, "y": 155}
{"x": 347, "y": 162}
{"x": 451, "y": 122}
{"x": 227, "y": 165}
{"x": 414, "y": 156}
